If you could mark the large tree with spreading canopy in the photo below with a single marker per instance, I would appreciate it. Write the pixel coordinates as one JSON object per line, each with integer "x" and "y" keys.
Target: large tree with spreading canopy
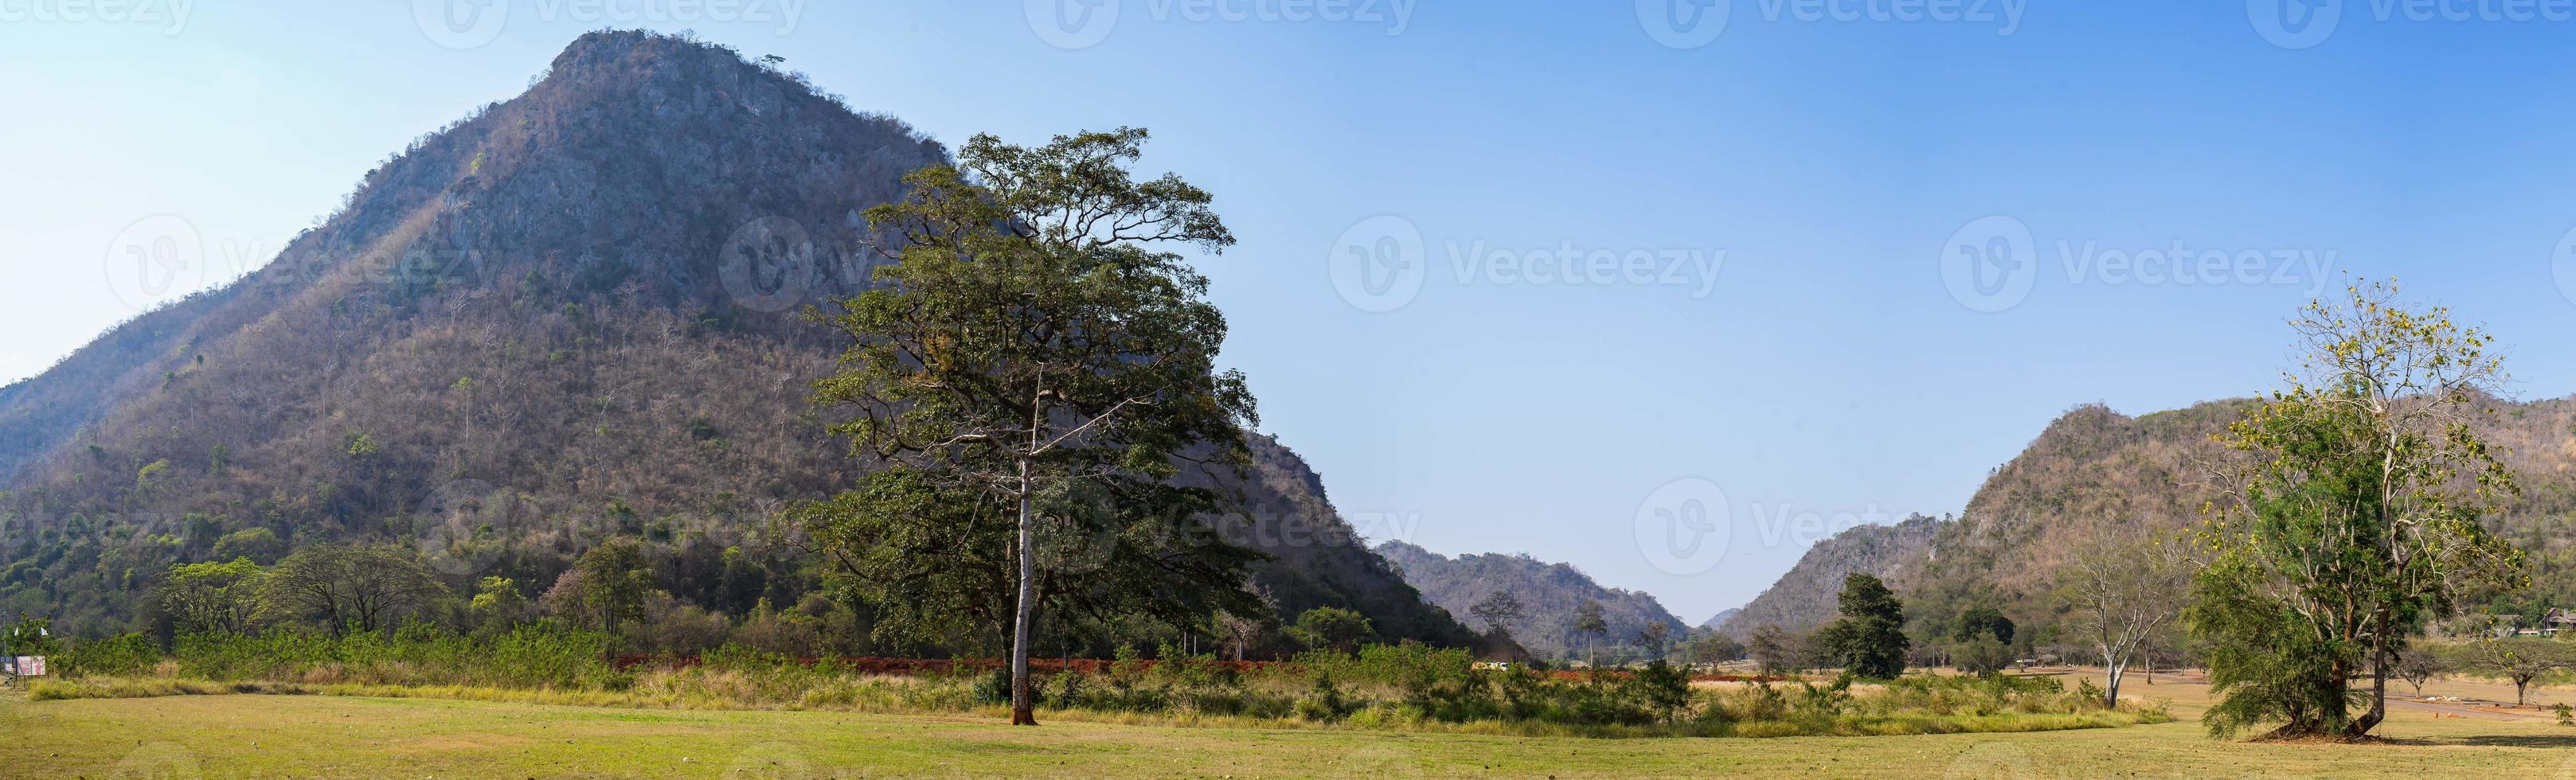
{"x": 1036, "y": 370}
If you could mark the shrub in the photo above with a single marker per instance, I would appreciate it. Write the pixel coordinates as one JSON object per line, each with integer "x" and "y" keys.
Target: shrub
{"x": 1324, "y": 703}
{"x": 123, "y": 654}
{"x": 537, "y": 655}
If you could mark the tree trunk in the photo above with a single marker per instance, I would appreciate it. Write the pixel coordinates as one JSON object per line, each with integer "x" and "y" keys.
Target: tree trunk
{"x": 1023, "y": 706}
{"x": 2378, "y": 689}
{"x": 2111, "y": 691}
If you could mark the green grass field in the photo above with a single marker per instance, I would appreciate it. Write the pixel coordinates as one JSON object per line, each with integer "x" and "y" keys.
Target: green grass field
{"x": 350, "y": 736}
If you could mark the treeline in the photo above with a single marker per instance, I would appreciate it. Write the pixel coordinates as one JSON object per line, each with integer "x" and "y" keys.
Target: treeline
{"x": 1367, "y": 686}
{"x": 639, "y": 598}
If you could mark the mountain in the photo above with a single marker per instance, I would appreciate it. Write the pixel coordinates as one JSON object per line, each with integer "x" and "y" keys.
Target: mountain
{"x": 1805, "y": 597}
{"x": 2093, "y": 467}
{"x": 1719, "y": 622}
{"x": 569, "y": 316}
{"x": 2089, "y": 468}
{"x": 1550, "y": 592}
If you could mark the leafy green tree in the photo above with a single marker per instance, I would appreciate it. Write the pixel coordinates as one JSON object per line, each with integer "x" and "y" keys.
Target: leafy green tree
{"x": 260, "y": 545}
{"x": 1333, "y": 628}
{"x": 2360, "y": 516}
{"x": 1980, "y": 621}
{"x": 497, "y": 604}
{"x": 150, "y": 479}
{"x": 1031, "y": 351}
{"x": 1982, "y": 655}
{"x": 1662, "y": 687}
{"x": 212, "y": 597}
{"x": 1869, "y": 639}
{"x": 1716, "y": 648}
{"x": 615, "y": 577}
{"x": 349, "y": 586}
{"x": 31, "y": 635}
{"x": 934, "y": 560}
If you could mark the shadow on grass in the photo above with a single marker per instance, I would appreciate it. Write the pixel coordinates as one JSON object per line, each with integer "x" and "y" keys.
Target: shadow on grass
{"x": 2552, "y": 741}
{"x": 2564, "y": 742}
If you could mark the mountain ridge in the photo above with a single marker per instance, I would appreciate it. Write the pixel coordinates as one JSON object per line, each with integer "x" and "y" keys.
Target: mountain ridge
{"x": 2150, "y": 474}
{"x": 1551, "y": 592}
{"x": 566, "y": 317}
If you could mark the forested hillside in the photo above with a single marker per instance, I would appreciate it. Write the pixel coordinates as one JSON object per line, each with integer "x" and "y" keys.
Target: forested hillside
{"x": 569, "y": 317}
{"x": 1804, "y": 597}
{"x": 2094, "y": 468}
{"x": 1551, "y": 593}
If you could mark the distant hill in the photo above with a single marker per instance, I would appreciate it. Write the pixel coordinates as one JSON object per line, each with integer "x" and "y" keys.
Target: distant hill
{"x": 574, "y": 312}
{"x": 2093, "y": 466}
{"x": 1719, "y": 622}
{"x": 1551, "y": 592}
{"x": 1805, "y": 597}
{"x": 2090, "y": 467}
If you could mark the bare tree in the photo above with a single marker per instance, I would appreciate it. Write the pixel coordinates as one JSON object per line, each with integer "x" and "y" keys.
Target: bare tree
{"x": 2121, "y": 590}
{"x": 350, "y": 587}
{"x": 1239, "y": 630}
{"x": 2519, "y": 660}
{"x": 2418, "y": 665}
{"x": 1498, "y": 612}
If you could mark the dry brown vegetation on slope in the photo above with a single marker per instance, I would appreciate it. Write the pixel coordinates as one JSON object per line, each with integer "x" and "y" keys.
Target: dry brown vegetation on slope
{"x": 2094, "y": 469}
{"x": 519, "y": 337}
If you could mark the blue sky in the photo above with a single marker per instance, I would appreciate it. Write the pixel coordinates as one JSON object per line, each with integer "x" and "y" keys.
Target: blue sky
{"x": 1822, "y": 168}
